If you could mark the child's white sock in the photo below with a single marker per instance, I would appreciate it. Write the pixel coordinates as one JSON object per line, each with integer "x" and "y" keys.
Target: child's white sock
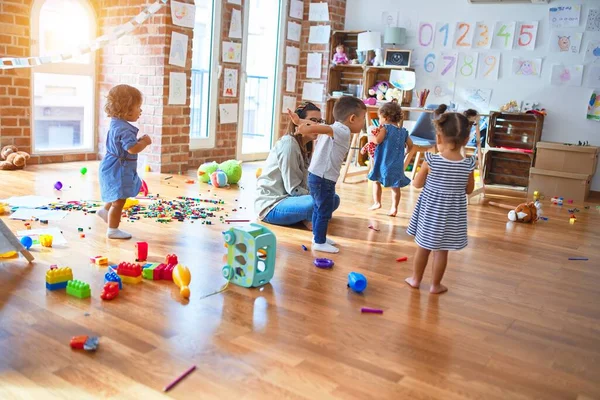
{"x": 330, "y": 241}
{"x": 115, "y": 233}
{"x": 325, "y": 247}
{"x": 102, "y": 213}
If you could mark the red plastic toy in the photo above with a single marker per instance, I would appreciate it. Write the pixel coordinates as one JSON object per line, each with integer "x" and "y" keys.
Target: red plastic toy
{"x": 110, "y": 291}
{"x": 77, "y": 342}
{"x": 129, "y": 269}
{"x": 171, "y": 259}
{"x": 163, "y": 272}
{"x": 142, "y": 251}
{"x": 144, "y": 189}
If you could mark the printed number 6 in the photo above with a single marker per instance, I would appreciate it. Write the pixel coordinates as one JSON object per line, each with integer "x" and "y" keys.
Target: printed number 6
{"x": 429, "y": 65}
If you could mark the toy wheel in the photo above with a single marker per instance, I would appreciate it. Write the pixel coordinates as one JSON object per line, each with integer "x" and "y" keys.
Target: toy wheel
{"x": 227, "y": 272}
{"x": 323, "y": 263}
{"x": 229, "y": 237}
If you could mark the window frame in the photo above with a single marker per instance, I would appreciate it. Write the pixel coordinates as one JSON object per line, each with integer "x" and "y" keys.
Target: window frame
{"x": 214, "y": 75}
{"x": 64, "y": 69}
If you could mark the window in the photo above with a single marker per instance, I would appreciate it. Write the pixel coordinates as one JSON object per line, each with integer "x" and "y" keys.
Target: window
{"x": 63, "y": 93}
{"x": 205, "y": 47}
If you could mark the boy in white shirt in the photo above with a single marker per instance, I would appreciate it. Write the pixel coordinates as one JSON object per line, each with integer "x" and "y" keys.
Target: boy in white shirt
{"x": 330, "y": 151}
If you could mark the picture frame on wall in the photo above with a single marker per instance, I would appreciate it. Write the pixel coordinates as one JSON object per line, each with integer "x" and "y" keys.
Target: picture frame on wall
{"x": 396, "y": 58}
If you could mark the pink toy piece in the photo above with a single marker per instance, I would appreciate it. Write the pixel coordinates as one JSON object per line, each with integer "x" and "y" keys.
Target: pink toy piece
{"x": 371, "y": 310}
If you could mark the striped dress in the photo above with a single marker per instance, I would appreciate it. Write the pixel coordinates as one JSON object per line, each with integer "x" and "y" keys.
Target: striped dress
{"x": 439, "y": 221}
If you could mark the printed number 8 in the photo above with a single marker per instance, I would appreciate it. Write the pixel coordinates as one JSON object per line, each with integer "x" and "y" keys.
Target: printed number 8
{"x": 429, "y": 65}
{"x": 468, "y": 62}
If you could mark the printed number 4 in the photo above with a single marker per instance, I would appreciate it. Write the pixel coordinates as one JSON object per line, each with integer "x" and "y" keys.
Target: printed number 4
{"x": 506, "y": 35}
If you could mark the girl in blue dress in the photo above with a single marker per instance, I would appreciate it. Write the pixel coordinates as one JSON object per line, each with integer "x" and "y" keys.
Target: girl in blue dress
{"x": 118, "y": 169}
{"x": 388, "y": 163}
{"x": 439, "y": 222}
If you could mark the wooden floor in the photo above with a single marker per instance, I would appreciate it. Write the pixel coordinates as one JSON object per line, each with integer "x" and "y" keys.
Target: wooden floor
{"x": 520, "y": 321}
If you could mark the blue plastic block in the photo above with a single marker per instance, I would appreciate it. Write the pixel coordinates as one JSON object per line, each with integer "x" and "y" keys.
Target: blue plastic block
{"x": 112, "y": 276}
{"x": 56, "y": 286}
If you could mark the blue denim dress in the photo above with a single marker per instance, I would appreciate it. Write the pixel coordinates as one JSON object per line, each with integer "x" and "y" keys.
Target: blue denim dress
{"x": 118, "y": 169}
{"x": 388, "y": 164}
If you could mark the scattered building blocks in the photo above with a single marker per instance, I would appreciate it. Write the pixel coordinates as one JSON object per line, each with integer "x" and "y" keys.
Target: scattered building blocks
{"x": 56, "y": 286}
{"x": 111, "y": 276}
{"x": 100, "y": 261}
{"x": 78, "y": 289}
{"x": 87, "y": 343}
{"x": 171, "y": 259}
{"x": 59, "y": 275}
{"x": 131, "y": 279}
{"x": 46, "y": 240}
{"x": 110, "y": 291}
{"x": 148, "y": 270}
{"x": 129, "y": 269}
{"x": 141, "y": 249}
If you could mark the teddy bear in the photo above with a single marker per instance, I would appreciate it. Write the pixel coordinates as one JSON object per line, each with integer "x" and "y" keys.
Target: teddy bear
{"x": 13, "y": 159}
{"x": 525, "y": 212}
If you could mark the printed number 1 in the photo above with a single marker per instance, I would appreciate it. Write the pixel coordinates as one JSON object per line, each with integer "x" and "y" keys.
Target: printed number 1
{"x": 445, "y": 28}
{"x": 506, "y": 35}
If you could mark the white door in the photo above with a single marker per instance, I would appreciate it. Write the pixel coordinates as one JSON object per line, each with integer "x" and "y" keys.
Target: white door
{"x": 259, "y": 84}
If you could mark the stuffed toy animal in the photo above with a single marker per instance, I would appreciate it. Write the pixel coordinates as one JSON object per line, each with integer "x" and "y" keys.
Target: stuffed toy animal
{"x": 231, "y": 168}
{"x": 378, "y": 60}
{"x": 340, "y": 56}
{"x": 13, "y": 159}
{"x": 525, "y": 212}
{"x": 218, "y": 179}
{"x": 393, "y": 94}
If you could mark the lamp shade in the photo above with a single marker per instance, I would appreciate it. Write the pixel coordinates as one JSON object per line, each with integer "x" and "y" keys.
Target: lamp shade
{"x": 369, "y": 41}
{"x": 394, "y": 35}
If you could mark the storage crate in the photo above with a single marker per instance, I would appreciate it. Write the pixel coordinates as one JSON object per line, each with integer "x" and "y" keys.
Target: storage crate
{"x": 507, "y": 169}
{"x": 515, "y": 130}
{"x": 565, "y": 158}
{"x": 570, "y": 186}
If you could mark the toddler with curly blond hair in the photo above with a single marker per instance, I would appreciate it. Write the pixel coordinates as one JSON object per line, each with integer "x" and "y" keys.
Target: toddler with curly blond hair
{"x": 118, "y": 169}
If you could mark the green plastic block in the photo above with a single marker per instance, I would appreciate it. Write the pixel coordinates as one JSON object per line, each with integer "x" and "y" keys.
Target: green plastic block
{"x": 148, "y": 272}
{"x": 78, "y": 289}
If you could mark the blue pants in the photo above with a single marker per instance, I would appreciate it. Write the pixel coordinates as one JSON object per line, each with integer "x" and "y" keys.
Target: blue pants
{"x": 292, "y": 210}
{"x": 323, "y": 193}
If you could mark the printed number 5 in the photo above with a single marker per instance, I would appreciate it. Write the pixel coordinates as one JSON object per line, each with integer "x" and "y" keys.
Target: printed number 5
{"x": 429, "y": 65}
{"x": 528, "y": 36}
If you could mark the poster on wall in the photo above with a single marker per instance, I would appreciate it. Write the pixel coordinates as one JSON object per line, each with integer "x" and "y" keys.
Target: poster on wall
{"x": 183, "y": 14}
{"x": 178, "y": 51}
{"x": 441, "y": 93}
{"x": 228, "y": 113}
{"x": 235, "y": 27}
{"x": 565, "y": 16}
{"x": 230, "y": 82}
{"x": 318, "y": 12}
{"x": 593, "y": 109}
{"x": 313, "y": 65}
{"x": 565, "y": 41}
{"x": 448, "y": 62}
{"x": 177, "y": 88}
{"x": 592, "y": 53}
{"x": 526, "y": 35}
{"x": 294, "y": 31}
{"x": 504, "y": 35}
{"x": 289, "y": 103}
{"x": 529, "y": 67}
{"x": 463, "y": 35}
{"x": 290, "y": 81}
{"x": 476, "y": 98}
{"x": 489, "y": 66}
{"x": 319, "y": 34}
{"x": 593, "y": 78}
{"x": 232, "y": 52}
{"x": 296, "y": 9}
{"x": 237, "y": 2}
{"x": 444, "y": 32}
{"x": 483, "y": 35}
{"x": 566, "y": 75}
{"x": 389, "y": 19}
{"x": 593, "y": 20}
{"x": 292, "y": 55}
{"x": 467, "y": 65}
{"x": 425, "y": 34}
{"x": 313, "y": 91}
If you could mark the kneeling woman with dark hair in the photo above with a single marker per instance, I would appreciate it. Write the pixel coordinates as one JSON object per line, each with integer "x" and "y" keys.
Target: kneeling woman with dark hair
{"x": 283, "y": 197}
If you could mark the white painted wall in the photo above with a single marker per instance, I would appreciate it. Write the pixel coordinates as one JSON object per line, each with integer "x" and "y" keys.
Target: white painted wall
{"x": 566, "y": 106}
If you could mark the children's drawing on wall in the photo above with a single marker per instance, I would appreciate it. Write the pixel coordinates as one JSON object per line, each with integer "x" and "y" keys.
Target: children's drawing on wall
{"x": 389, "y": 19}
{"x": 441, "y": 92}
{"x": 183, "y": 14}
{"x": 230, "y": 82}
{"x": 593, "y": 109}
{"x": 232, "y": 52}
{"x": 530, "y": 67}
{"x": 177, "y": 88}
{"x": 478, "y": 99}
{"x": 593, "y": 76}
{"x": 228, "y": 113}
{"x": 565, "y": 41}
{"x": 593, "y": 20}
{"x": 565, "y": 16}
{"x": 592, "y": 54}
{"x": 178, "y": 53}
{"x": 235, "y": 27}
{"x": 566, "y": 75}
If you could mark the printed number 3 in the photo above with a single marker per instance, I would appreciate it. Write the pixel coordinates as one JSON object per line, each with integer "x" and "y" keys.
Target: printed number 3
{"x": 485, "y": 37}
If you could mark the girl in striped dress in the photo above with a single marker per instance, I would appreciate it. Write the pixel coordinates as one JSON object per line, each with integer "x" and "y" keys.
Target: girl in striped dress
{"x": 439, "y": 221}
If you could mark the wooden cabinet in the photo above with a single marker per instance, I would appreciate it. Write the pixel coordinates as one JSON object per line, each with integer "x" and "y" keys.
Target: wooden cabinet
{"x": 510, "y": 149}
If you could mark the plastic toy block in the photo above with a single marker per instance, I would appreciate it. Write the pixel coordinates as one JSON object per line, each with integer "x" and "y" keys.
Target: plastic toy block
{"x": 110, "y": 291}
{"x": 99, "y": 260}
{"x": 56, "y": 286}
{"x": 141, "y": 249}
{"x": 131, "y": 279}
{"x": 46, "y": 240}
{"x": 77, "y": 342}
{"x": 87, "y": 343}
{"x": 148, "y": 271}
{"x": 163, "y": 272}
{"x": 128, "y": 269}
{"x": 59, "y": 275}
{"x": 171, "y": 259}
{"x": 78, "y": 289}
{"x": 111, "y": 276}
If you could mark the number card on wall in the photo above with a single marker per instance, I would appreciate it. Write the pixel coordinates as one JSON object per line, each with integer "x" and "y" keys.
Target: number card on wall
{"x": 467, "y": 65}
{"x": 448, "y": 63}
{"x": 526, "y": 35}
{"x": 504, "y": 35}
{"x": 429, "y": 63}
{"x": 489, "y": 66}
{"x": 443, "y": 35}
{"x": 463, "y": 36}
{"x": 425, "y": 34}
{"x": 483, "y": 36}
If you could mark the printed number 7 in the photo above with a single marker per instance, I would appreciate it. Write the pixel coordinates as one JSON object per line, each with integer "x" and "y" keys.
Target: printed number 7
{"x": 528, "y": 35}
{"x": 452, "y": 60}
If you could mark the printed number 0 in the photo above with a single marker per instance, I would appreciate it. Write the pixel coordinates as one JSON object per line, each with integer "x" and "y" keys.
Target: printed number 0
{"x": 421, "y": 29}
{"x": 528, "y": 35}
{"x": 460, "y": 42}
{"x": 468, "y": 62}
{"x": 429, "y": 65}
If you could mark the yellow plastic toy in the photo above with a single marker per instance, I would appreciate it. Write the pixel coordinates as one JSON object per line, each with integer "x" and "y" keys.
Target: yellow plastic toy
{"x": 130, "y": 203}
{"x": 46, "y": 240}
{"x": 4, "y": 208}
{"x": 10, "y": 254}
{"x": 258, "y": 172}
{"x": 182, "y": 278}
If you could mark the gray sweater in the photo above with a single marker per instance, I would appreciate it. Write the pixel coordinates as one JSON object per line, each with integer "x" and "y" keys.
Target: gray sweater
{"x": 284, "y": 174}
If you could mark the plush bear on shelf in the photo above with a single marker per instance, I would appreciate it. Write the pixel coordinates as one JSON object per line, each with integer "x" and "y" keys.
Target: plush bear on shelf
{"x": 13, "y": 159}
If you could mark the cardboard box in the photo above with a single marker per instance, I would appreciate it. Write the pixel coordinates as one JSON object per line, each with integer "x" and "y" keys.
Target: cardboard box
{"x": 572, "y": 159}
{"x": 570, "y": 186}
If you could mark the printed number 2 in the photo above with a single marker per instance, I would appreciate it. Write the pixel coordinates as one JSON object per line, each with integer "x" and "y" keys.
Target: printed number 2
{"x": 460, "y": 41}
{"x": 523, "y": 34}
{"x": 506, "y": 35}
